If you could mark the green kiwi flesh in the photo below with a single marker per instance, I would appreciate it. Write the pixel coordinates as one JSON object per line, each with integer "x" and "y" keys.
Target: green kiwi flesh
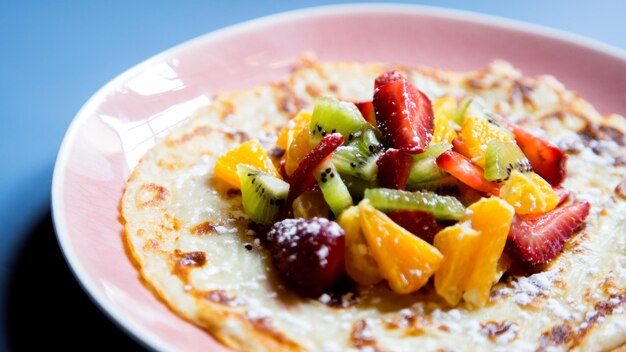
{"x": 442, "y": 207}
{"x": 331, "y": 115}
{"x": 501, "y": 158}
{"x": 335, "y": 192}
{"x": 262, "y": 195}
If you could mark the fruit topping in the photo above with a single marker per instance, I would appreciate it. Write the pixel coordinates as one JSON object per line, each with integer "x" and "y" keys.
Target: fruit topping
{"x": 303, "y": 178}
{"x": 262, "y": 194}
{"x": 441, "y": 207}
{"x": 537, "y": 239}
{"x": 406, "y": 261}
{"x": 367, "y": 111}
{"x": 478, "y": 131}
{"x": 360, "y": 265}
{"x": 358, "y": 158}
{"x": 310, "y": 204}
{"x": 546, "y": 159}
{"x": 443, "y": 109}
{"x": 460, "y": 147}
{"x": 472, "y": 249}
{"x": 251, "y": 153}
{"x": 297, "y": 150}
{"x": 501, "y": 158}
{"x": 528, "y": 193}
{"x": 393, "y": 169}
{"x": 334, "y": 190}
{"x": 420, "y": 223}
{"x": 404, "y": 114}
{"x": 386, "y": 78}
{"x": 333, "y": 116}
{"x": 308, "y": 253}
{"x": 295, "y": 125}
{"x": 462, "y": 169}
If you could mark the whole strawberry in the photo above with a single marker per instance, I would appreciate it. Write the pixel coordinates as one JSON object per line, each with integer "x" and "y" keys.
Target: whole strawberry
{"x": 308, "y": 253}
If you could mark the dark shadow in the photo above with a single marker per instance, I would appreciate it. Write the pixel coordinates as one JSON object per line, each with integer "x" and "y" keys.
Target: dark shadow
{"x": 46, "y": 307}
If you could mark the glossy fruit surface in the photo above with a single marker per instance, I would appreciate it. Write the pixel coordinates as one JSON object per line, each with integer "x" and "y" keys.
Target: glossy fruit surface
{"x": 308, "y": 253}
{"x": 406, "y": 261}
{"x": 394, "y": 167}
{"x": 251, "y": 153}
{"x": 465, "y": 171}
{"x": 537, "y": 239}
{"x": 404, "y": 115}
{"x": 528, "y": 193}
{"x": 477, "y": 132}
{"x": 360, "y": 265}
{"x": 443, "y": 109}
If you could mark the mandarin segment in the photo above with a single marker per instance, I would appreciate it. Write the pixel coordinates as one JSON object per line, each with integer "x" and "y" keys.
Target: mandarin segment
{"x": 443, "y": 108}
{"x": 477, "y": 132}
{"x": 360, "y": 265}
{"x": 492, "y": 217}
{"x": 458, "y": 244}
{"x": 289, "y": 132}
{"x": 528, "y": 193}
{"x": 406, "y": 261}
{"x": 297, "y": 150}
{"x": 251, "y": 153}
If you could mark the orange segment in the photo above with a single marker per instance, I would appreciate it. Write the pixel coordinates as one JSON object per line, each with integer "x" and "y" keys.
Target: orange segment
{"x": 528, "y": 193}
{"x": 477, "y": 132}
{"x": 309, "y": 205}
{"x": 288, "y": 133}
{"x": 492, "y": 217}
{"x": 405, "y": 260}
{"x": 360, "y": 265}
{"x": 442, "y": 109}
{"x": 297, "y": 150}
{"x": 458, "y": 244}
{"x": 251, "y": 153}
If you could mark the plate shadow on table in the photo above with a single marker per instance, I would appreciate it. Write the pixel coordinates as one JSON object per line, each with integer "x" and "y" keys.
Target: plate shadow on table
{"x": 46, "y": 307}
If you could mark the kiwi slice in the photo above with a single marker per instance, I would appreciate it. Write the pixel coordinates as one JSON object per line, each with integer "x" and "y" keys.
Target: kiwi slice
{"x": 501, "y": 158}
{"x": 442, "y": 207}
{"x": 433, "y": 150}
{"x": 357, "y": 186}
{"x": 425, "y": 170}
{"x": 331, "y": 115}
{"x": 334, "y": 190}
{"x": 262, "y": 194}
{"x": 447, "y": 185}
{"x": 358, "y": 158}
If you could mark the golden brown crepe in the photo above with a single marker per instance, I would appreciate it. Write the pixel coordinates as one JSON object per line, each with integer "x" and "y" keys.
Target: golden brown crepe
{"x": 193, "y": 244}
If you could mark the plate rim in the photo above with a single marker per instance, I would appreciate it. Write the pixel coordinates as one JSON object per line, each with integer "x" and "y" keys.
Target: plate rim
{"x": 138, "y": 332}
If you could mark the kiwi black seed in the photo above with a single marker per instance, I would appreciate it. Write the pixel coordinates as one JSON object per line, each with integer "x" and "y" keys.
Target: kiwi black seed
{"x": 333, "y": 188}
{"x": 262, "y": 194}
{"x": 501, "y": 158}
{"x": 331, "y": 115}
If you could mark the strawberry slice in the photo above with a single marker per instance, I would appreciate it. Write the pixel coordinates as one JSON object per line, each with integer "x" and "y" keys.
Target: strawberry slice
{"x": 462, "y": 168}
{"x": 537, "y": 239}
{"x": 546, "y": 159}
{"x": 420, "y": 223}
{"x": 302, "y": 178}
{"x": 386, "y": 78}
{"x": 403, "y": 114}
{"x": 367, "y": 111}
{"x": 562, "y": 193}
{"x": 394, "y": 167}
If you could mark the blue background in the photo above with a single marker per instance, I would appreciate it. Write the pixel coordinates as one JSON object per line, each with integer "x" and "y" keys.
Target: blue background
{"x": 54, "y": 55}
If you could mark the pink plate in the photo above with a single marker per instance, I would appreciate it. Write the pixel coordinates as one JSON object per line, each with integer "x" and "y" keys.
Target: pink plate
{"x": 118, "y": 124}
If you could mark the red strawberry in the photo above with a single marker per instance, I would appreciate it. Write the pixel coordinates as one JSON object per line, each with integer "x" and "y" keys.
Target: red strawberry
{"x": 537, "y": 239}
{"x": 462, "y": 168}
{"x": 404, "y": 115}
{"x": 302, "y": 178}
{"x": 562, "y": 193}
{"x": 546, "y": 159}
{"x": 386, "y": 78}
{"x": 420, "y": 223}
{"x": 394, "y": 167}
{"x": 367, "y": 111}
{"x": 460, "y": 147}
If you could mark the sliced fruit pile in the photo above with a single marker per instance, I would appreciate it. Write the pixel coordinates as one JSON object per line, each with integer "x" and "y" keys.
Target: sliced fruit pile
{"x": 399, "y": 190}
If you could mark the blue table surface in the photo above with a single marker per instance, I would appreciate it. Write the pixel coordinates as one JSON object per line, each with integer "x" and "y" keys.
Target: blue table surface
{"x": 54, "y": 55}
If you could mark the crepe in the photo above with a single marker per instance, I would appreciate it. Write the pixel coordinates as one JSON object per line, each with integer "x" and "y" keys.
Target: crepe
{"x": 195, "y": 248}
